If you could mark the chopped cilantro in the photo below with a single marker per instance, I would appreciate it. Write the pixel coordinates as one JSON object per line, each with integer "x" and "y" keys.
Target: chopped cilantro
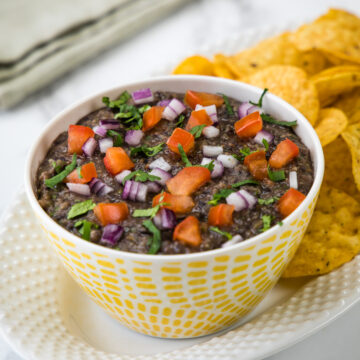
{"x": 223, "y": 233}
{"x": 238, "y": 157}
{"x": 268, "y": 201}
{"x": 210, "y": 166}
{"x": 118, "y": 139}
{"x": 80, "y": 208}
{"x": 154, "y": 243}
{"x": 124, "y": 97}
{"x": 149, "y": 212}
{"x": 245, "y": 182}
{"x": 245, "y": 151}
{"x": 197, "y": 130}
{"x": 62, "y": 175}
{"x": 271, "y": 120}
{"x": 56, "y": 167}
{"x": 229, "y": 108}
{"x": 276, "y": 175}
{"x": 180, "y": 121}
{"x": 266, "y": 144}
{"x": 140, "y": 176}
{"x": 131, "y": 116}
{"x": 266, "y": 219}
{"x": 78, "y": 170}
{"x": 184, "y": 157}
{"x": 85, "y": 228}
{"x": 280, "y": 223}
{"x": 144, "y": 108}
{"x": 147, "y": 151}
{"x": 259, "y": 103}
{"x": 222, "y": 194}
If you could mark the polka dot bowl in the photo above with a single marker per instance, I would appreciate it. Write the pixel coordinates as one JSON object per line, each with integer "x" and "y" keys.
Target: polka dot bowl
{"x": 179, "y": 296}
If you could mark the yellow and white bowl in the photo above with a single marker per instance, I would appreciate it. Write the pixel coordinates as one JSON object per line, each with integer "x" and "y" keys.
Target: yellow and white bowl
{"x": 179, "y": 296}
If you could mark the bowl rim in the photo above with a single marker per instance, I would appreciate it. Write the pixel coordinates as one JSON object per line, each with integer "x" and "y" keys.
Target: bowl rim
{"x": 319, "y": 171}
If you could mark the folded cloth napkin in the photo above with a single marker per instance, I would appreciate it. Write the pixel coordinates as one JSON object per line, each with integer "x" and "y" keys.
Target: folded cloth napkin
{"x": 47, "y": 38}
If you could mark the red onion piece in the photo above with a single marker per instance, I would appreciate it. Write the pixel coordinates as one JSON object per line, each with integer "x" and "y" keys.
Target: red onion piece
{"x": 218, "y": 167}
{"x": 105, "y": 143}
{"x": 173, "y": 110}
{"x": 164, "y": 102}
{"x": 111, "y": 234}
{"x": 238, "y": 200}
{"x": 80, "y": 189}
{"x": 293, "y": 181}
{"x": 210, "y": 110}
{"x": 121, "y": 176}
{"x": 110, "y": 124}
{"x": 165, "y": 219}
{"x": 99, "y": 188}
{"x": 160, "y": 163}
{"x": 133, "y": 137}
{"x": 233, "y": 241}
{"x": 253, "y": 109}
{"x": 142, "y": 192}
{"x": 153, "y": 187}
{"x": 127, "y": 188}
{"x": 163, "y": 175}
{"x": 263, "y": 134}
{"x": 89, "y": 146}
{"x": 251, "y": 199}
{"x": 211, "y": 132}
{"x": 243, "y": 109}
{"x": 99, "y": 130}
{"x": 212, "y": 151}
{"x": 134, "y": 190}
{"x": 142, "y": 96}
{"x": 227, "y": 160}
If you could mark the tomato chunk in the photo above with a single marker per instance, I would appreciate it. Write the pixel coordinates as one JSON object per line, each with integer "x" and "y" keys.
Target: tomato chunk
{"x": 117, "y": 160}
{"x": 221, "y": 215}
{"x": 290, "y": 201}
{"x": 183, "y": 137}
{"x": 257, "y": 164}
{"x": 249, "y": 125}
{"x": 151, "y": 117}
{"x": 77, "y": 136}
{"x": 285, "y": 151}
{"x": 87, "y": 171}
{"x": 179, "y": 204}
{"x": 111, "y": 213}
{"x": 188, "y": 232}
{"x": 256, "y": 155}
{"x": 199, "y": 117}
{"x": 192, "y": 98}
{"x": 188, "y": 180}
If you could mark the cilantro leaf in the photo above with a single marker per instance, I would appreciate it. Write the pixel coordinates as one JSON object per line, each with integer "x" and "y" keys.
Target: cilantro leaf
{"x": 268, "y": 201}
{"x": 78, "y": 170}
{"x": 85, "y": 228}
{"x": 56, "y": 167}
{"x": 259, "y": 103}
{"x": 238, "y": 157}
{"x": 229, "y": 108}
{"x": 223, "y": 233}
{"x": 245, "y": 151}
{"x": 140, "y": 176}
{"x": 123, "y": 98}
{"x": 222, "y": 194}
{"x": 280, "y": 223}
{"x": 271, "y": 120}
{"x": 118, "y": 139}
{"x": 276, "y": 175}
{"x": 210, "y": 166}
{"x": 147, "y": 151}
{"x": 197, "y": 130}
{"x": 245, "y": 182}
{"x": 62, "y": 175}
{"x": 144, "y": 108}
{"x": 266, "y": 219}
{"x": 266, "y": 144}
{"x": 80, "y": 208}
{"x": 151, "y": 212}
{"x": 180, "y": 121}
{"x": 154, "y": 243}
{"x": 184, "y": 157}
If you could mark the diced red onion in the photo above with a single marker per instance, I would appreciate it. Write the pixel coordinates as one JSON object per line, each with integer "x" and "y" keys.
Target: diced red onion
{"x": 173, "y": 110}
{"x": 293, "y": 181}
{"x": 133, "y": 137}
{"x": 233, "y": 241}
{"x": 121, "y": 176}
{"x": 160, "y": 163}
{"x": 127, "y": 188}
{"x": 142, "y": 96}
{"x": 165, "y": 219}
{"x": 251, "y": 199}
{"x": 111, "y": 234}
{"x": 163, "y": 175}
{"x": 253, "y": 109}
{"x": 105, "y": 143}
{"x": 99, "y": 130}
{"x": 89, "y": 146}
{"x": 134, "y": 190}
{"x": 227, "y": 160}
{"x": 142, "y": 192}
{"x": 211, "y": 132}
{"x": 243, "y": 109}
{"x": 212, "y": 151}
{"x": 80, "y": 189}
{"x": 109, "y": 124}
{"x": 99, "y": 188}
{"x": 153, "y": 187}
{"x": 218, "y": 167}
{"x": 210, "y": 110}
{"x": 164, "y": 102}
{"x": 238, "y": 200}
{"x": 263, "y": 134}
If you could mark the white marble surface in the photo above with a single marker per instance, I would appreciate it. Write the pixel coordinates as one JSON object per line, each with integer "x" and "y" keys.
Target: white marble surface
{"x": 181, "y": 33}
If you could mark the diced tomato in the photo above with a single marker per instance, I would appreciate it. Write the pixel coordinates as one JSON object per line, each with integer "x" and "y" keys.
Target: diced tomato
{"x": 111, "y": 213}
{"x": 188, "y": 180}
{"x": 290, "y": 201}
{"x": 199, "y": 117}
{"x": 117, "y": 160}
{"x": 188, "y": 232}
{"x": 179, "y": 204}
{"x": 249, "y": 125}
{"x": 183, "y": 137}
{"x": 256, "y": 155}
{"x": 285, "y": 151}
{"x": 87, "y": 171}
{"x": 77, "y": 136}
{"x": 192, "y": 98}
{"x": 257, "y": 164}
{"x": 221, "y": 215}
{"x": 151, "y": 117}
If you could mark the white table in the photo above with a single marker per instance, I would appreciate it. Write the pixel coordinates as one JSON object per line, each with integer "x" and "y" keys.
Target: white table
{"x": 181, "y": 33}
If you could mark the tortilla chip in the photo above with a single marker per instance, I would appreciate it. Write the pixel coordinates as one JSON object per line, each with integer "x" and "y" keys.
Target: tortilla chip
{"x": 355, "y": 119}
{"x": 332, "y": 237}
{"x": 291, "y": 84}
{"x": 313, "y": 61}
{"x": 220, "y": 67}
{"x": 335, "y": 81}
{"x": 195, "y": 65}
{"x": 349, "y": 102}
{"x": 330, "y": 124}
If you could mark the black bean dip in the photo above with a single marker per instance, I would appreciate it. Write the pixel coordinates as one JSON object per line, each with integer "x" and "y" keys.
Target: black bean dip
{"x": 58, "y": 201}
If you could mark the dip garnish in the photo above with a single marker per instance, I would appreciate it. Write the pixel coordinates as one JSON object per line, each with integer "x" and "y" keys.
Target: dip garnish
{"x": 80, "y": 208}
{"x": 118, "y": 139}
{"x": 259, "y": 103}
{"x": 266, "y": 219}
{"x": 229, "y": 108}
{"x": 276, "y": 175}
{"x": 269, "y": 119}
{"x": 61, "y": 176}
{"x": 180, "y": 121}
{"x": 140, "y": 176}
{"x": 268, "y": 201}
{"x": 197, "y": 130}
{"x": 184, "y": 157}
{"x": 223, "y": 233}
{"x": 124, "y": 97}
{"x": 147, "y": 151}
{"x": 155, "y": 242}
{"x": 85, "y": 228}
{"x": 245, "y": 182}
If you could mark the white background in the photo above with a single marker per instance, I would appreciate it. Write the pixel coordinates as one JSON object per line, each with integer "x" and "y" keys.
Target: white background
{"x": 194, "y": 26}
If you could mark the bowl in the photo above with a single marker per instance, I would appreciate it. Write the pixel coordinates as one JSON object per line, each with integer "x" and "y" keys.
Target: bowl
{"x": 189, "y": 295}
